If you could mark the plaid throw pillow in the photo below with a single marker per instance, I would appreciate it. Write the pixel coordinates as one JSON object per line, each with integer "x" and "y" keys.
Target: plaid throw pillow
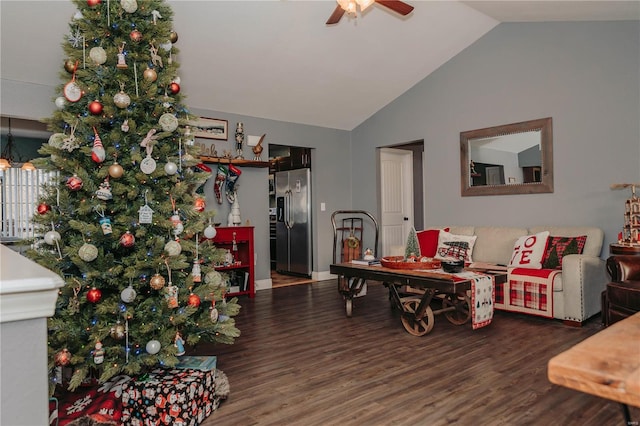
{"x": 558, "y": 247}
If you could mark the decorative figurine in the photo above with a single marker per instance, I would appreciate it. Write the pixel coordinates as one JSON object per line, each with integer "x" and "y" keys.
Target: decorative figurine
{"x": 239, "y": 140}
{"x": 257, "y": 149}
{"x": 179, "y": 344}
{"x": 121, "y": 58}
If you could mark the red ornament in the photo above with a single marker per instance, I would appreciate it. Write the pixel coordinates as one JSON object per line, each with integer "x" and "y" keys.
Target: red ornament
{"x": 127, "y": 239}
{"x": 199, "y": 204}
{"x": 43, "y": 208}
{"x": 135, "y": 35}
{"x": 174, "y": 88}
{"x": 74, "y": 183}
{"x": 95, "y": 108}
{"x": 92, "y": 3}
{"x": 194, "y": 300}
{"x": 94, "y": 295}
{"x": 63, "y": 357}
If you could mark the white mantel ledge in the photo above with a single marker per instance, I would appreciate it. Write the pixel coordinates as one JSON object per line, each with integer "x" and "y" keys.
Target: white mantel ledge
{"x": 27, "y": 289}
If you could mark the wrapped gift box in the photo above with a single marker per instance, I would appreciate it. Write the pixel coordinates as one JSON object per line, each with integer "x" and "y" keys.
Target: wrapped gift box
{"x": 177, "y": 397}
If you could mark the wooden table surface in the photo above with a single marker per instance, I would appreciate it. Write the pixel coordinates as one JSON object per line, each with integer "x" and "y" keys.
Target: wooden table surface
{"x": 606, "y": 364}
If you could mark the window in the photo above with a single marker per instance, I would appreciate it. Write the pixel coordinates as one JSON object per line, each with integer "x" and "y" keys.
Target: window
{"x": 19, "y": 193}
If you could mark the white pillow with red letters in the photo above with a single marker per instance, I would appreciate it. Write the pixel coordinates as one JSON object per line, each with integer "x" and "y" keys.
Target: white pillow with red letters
{"x": 528, "y": 251}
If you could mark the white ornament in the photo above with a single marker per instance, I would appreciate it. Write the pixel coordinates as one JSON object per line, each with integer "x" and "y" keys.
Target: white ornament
{"x": 88, "y": 252}
{"x": 173, "y": 248}
{"x": 51, "y": 237}
{"x": 98, "y": 55}
{"x": 166, "y": 46}
{"x": 213, "y": 277}
{"x": 148, "y": 165}
{"x": 210, "y": 232}
{"x": 170, "y": 168}
{"x": 145, "y": 214}
{"x": 153, "y": 347}
{"x": 78, "y": 16}
{"x": 176, "y": 80}
{"x": 129, "y": 6}
{"x": 168, "y": 122}
{"x": 128, "y": 295}
{"x": 121, "y": 99}
{"x": 57, "y": 139}
{"x": 60, "y": 102}
{"x": 214, "y": 314}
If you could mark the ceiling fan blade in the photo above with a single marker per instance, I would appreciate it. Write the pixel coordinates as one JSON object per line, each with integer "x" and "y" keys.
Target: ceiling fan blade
{"x": 336, "y": 15}
{"x": 397, "y": 6}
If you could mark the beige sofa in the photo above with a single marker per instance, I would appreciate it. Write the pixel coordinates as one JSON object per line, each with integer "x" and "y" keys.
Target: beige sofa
{"x": 576, "y": 289}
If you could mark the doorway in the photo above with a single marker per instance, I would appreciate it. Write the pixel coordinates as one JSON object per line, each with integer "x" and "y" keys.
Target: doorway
{"x": 400, "y": 194}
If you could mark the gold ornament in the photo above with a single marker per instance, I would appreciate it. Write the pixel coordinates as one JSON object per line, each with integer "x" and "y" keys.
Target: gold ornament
{"x": 116, "y": 171}
{"x": 150, "y": 75}
{"x": 69, "y": 66}
{"x": 157, "y": 282}
{"x": 173, "y": 37}
{"x": 88, "y": 252}
{"x": 98, "y": 55}
{"x": 173, "y": 248}
{"x": 168, "y": 122}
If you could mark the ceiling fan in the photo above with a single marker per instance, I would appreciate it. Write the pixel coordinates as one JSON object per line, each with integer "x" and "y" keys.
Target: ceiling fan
{"x": 351, "y": 6}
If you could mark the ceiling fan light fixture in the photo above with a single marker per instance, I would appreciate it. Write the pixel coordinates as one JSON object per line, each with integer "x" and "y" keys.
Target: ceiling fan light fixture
{"x": 28, "y": 166}
{"x": 351, "y": 6}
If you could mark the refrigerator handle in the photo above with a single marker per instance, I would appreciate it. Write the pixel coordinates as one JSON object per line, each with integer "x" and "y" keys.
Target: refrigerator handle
{"x": 288, "y": 212}
{"x": 291, "y": 215}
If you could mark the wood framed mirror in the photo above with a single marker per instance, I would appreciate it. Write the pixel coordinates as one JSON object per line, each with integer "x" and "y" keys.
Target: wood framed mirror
{"x": 509, "y": 159}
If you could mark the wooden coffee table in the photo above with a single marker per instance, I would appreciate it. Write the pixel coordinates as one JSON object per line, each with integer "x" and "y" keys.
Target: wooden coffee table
{"x": 606, "y": 364}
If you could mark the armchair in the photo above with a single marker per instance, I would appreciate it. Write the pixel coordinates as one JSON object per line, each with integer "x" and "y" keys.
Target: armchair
{"x": 621, "y": 298}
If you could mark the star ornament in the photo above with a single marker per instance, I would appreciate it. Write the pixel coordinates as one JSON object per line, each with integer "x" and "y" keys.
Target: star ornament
{"x": 75, "y": 38}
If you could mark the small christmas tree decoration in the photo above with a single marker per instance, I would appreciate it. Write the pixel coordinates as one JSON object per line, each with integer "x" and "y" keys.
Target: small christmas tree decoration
{"x": 104, "y": 192}
{"x": 72, "y": 91}
{"x": 74, "y": 183}
{"x": 94, "y": 295}
{"x": 128, "y": 294}
{"x": 412, "y": 249}
{"x": 157, "y": 282}
{"x": 121, "y": 99}
{"x": 168, "y": 122}
{"x": 98, "y": 154}
{"x": 153, "y": 347}
{"x": 88, "y": 252}
{"x": 174, "y": 88}
{"x": 170, "y": 168}
{"x": 178, "y": 226}
{"x": 135, "y": 36}
{"x": 127, "y": 239}
{"x": 171, "y": 295}
{"x": 95, "y": 107}
{"x": 116, "y": 171}
{"x": 117, "y": 331}
{"x": 178, "y": 342}
{"x": 43, "y": 208}
{"x": 194, "y": 300}
{"x": 105, "y": 224}
{"x": 52, "y": 237}
{"x": 98, "y": 55}
{"x": 129, "y": 6}
{"x": 199, "y": 204}
{"x": 60, "y": 102}
{"x": 63, "y": 358}
{"x": 173, "y": 248}
{"x": 150, "y": 75}
{"x": 98, "y": 353}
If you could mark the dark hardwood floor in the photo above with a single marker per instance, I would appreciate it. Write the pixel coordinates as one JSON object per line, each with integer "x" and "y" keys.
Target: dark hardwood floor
{"x": 301, "y": 361}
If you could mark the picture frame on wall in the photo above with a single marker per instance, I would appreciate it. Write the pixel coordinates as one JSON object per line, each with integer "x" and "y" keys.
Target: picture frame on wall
{"x": 210, "y": 128}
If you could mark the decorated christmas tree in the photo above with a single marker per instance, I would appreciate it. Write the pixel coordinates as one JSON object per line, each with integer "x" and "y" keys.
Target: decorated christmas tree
{"x": 412, "y": 248}
{"x": 125, "y": 222}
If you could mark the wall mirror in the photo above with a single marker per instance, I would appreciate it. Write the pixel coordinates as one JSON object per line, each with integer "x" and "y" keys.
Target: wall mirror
{"x": 509, "y": 159}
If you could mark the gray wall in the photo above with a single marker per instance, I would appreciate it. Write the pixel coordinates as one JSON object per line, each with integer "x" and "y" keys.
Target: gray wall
{"x": 585, "y": 75}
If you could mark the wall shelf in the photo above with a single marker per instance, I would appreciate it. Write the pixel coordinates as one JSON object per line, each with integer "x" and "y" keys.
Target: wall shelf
{"x": 243, "y": 163}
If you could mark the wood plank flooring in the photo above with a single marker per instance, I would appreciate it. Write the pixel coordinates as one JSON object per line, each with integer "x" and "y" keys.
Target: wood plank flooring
{"x": 301, "y": 361}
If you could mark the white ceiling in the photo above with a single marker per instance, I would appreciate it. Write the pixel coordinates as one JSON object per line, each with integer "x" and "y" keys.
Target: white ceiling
{"x": 277, "y": 59}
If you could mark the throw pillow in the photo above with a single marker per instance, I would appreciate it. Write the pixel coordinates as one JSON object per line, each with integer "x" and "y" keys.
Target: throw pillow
{"x": 558, "y": 247}
{"x": 428, "y": 241}
{"x": 455, "y": 246}
{"x": 528, "y": 251}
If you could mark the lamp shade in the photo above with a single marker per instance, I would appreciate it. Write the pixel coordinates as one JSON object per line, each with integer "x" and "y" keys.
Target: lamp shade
{"x": 28, "y": 166}
{"x": 4, "y": 164}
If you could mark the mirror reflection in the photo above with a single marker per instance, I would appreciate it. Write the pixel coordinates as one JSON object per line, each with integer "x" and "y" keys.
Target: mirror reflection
{"x": 507, "y": 159}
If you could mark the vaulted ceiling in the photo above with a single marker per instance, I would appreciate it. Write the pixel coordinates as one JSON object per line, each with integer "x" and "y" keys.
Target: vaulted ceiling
{"x": 277, "y": 59}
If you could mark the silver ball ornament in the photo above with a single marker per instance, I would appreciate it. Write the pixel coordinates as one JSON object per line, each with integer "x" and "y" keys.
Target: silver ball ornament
{"x": 210, "y": 232}
{"x": 121, "y": 99}
{"x": 173, "y": 248}
{"x": 60, "y": 102}
{"x": 51, "y": 237}
{"x": 128, "y": 295}
{"x": 88, "y": 252}
{"x": 153, "y": 347}
{"x": 168, "y": 122}
{"x": 170, "y": 168}
{"x": 98, "y": 55}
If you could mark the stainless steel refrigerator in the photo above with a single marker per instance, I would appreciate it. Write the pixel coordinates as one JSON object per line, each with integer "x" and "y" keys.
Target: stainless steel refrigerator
{"x": 293, "y": 222}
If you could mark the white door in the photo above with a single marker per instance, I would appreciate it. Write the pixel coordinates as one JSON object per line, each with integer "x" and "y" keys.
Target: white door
{"x": 396, "y": 199}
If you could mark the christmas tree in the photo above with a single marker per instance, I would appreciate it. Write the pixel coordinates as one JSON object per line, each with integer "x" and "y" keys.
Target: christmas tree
{"x": 125, "y": 222}
{"x": 412, "y": 248}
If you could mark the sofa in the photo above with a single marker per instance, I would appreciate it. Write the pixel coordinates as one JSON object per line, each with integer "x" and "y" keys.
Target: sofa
{"x": 621, "y": 298}
{"x": 571, "y": 292}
